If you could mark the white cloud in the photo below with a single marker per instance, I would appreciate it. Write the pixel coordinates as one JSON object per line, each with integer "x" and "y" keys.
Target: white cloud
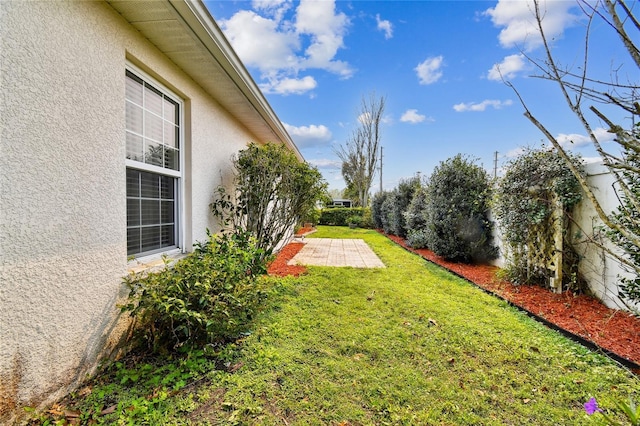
{"x": 319, "y": 20}
{"x": 495, "y": 104}
{"x": 385, "y": 26}
{"x": 517, "y": 19}
{"x": 508, "y": 68}
{"x": 516, "y": 152}
{"x": 325, "y": 163}
{"x": 429, "y": 70}
{"x": 575, "y": 140}
{"x": 270, "y": 4}
{"x": 280, "y": 48}
{"x": 307, "y": 136}
{"x": 275, "y": 8}
{"x": 259, "y": 41}
{"x": 412, "y": 116}
{"x": 287, "y": 86}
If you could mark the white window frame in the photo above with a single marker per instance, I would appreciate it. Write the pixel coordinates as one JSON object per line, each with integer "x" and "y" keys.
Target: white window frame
{"x": 178, "y": 174}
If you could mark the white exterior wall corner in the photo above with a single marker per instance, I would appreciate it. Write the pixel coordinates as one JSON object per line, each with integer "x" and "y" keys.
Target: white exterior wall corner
{"x": 62, "y": 187}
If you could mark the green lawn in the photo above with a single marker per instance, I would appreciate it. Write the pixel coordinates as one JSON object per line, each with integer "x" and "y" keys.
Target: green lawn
{"x": 409, "y": 344}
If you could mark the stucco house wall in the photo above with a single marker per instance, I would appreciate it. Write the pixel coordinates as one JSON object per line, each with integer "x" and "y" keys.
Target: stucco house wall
{"x": 63, "y": 217}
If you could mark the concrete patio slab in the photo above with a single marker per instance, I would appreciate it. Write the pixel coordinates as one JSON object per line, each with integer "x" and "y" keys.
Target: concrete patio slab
{"x": 337, "y": 252}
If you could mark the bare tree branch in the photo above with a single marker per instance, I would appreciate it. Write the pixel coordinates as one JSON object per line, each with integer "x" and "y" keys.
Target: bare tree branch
{"x": 360, "y": 155}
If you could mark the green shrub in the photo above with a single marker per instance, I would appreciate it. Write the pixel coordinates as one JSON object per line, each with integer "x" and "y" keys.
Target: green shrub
{"x": 390, "y": 207}
{"x": 417, "y": 214}
{"x": 386, "y": 212}
{"x": 273, "y": 191}
{"x": 458, "y": 196}
{"x": 404, "y": 193}
{"x": 376, "y": 209}
{"x": 208, "y": 297}
{"x": 312, "y": 216}
{"x": 354, "y": 220}
{"x": 418, "y": 238}
{"x": 367, "y": 221}
{"x": 339, "y": 216}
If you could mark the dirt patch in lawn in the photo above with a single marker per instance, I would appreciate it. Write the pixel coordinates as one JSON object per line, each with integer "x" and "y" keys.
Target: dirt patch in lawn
{"x": 611, "y": 329}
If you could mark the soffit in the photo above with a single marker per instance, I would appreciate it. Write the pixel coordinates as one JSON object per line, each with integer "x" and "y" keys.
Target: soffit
{"x": 185, "y": 32}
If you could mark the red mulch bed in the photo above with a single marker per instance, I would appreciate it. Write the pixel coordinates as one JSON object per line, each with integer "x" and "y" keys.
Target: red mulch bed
{"x": 279, "y": 266}
{"x": 614, "y": 330}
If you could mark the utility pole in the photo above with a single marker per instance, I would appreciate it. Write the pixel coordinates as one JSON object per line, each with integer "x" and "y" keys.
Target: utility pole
{"x": 381, "y": 169}
{"x": 495, "y": 164}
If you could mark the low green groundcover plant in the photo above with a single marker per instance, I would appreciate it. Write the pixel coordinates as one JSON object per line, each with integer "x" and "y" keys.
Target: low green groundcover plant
{"x": 409, "y": 344}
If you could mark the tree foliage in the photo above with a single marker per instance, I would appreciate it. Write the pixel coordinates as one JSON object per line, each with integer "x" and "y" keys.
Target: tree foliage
{"x": 533, "y": 185}
{"x": 360, "y": 154}
{"x": 272, "y": 191}
{"x": 458, "y": 195}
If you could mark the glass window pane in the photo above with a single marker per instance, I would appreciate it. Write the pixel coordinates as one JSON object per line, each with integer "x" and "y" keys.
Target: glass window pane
{"x": 150, "y": 238}
{"x": 150, "y": 210}
{"x": 167, "y": 210}
{"x": 133, "y": 89}
{"x": 166, "y": 187}
{"x": 133, "y": 212}
{"x": 152, "y": 100}
{"x": 170, "y": 111}
{"x": 133, "y": 118}
{"x": 133, "y": 185}
{"x": 133, "y": 241}
{"x": 149, "y": 185}
{"x": 167, "y": 235}
{"x": 171, "y": 159}
{"x": 153, "y": 126}
{"x": 170, "y": 134}
{"x": 135, "y": 147}
{"x": 154, "y": 154}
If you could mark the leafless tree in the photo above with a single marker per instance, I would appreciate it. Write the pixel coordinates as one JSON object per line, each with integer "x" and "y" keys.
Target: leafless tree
{"x": 361, "y": 152}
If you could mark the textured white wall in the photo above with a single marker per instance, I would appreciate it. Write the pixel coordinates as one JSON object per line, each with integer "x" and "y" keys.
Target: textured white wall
{"x": 62, "y": 187}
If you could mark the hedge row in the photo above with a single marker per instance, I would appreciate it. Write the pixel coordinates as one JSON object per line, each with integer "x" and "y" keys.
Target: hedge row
{"x": 339, "y": 216}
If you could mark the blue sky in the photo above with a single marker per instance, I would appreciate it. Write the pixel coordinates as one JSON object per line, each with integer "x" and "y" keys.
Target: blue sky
{"x": 435, "y": 63}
